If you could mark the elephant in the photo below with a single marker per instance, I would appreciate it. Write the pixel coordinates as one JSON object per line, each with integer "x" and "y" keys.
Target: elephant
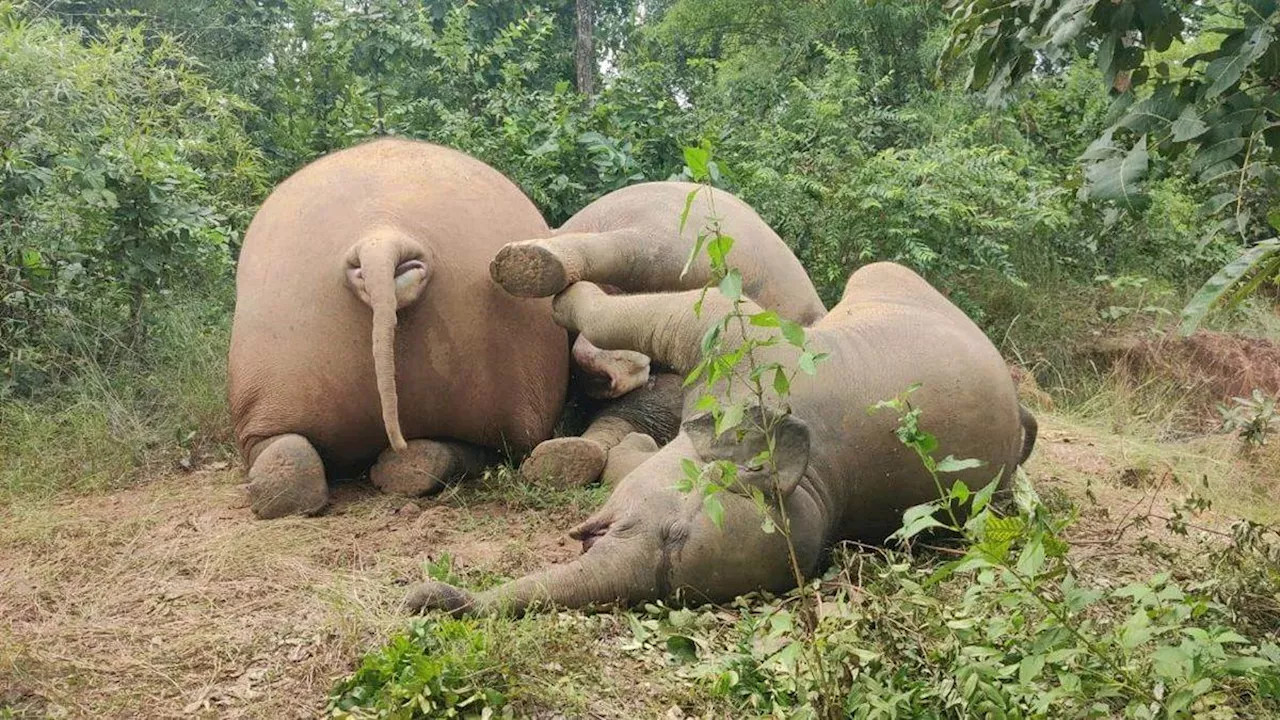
{"x": 631, "y": 241}
{"x": 365, "y": 317}
{"x": 838, "y": 470}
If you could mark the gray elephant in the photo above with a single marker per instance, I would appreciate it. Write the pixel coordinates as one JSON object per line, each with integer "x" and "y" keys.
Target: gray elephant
{"x": 444, "y": 368}
{"x": 841, "y": 473}
{"x": 631, "y": 240}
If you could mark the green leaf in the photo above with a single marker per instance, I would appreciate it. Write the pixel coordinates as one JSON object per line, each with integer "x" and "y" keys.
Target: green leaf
{"x": 792, "y": 332}
{"x": 959, "y": 491}
{"x": 718, "y": 249}
{"x": 1029, "y": 669}
{"x": 781, "y": 385}
{"x": 916, "y": 520}
{"x": 1031, "y": 561}
{"x": 730, "y": 418}
{"x": 1188, "y": 126}
{"x": 696, "y": 158}
{"x": 1171, "y": 663}
{"x": 707, "y": 403}
{"x": 951, "y": 465}
{"x": 690, "y": 469}
{"x": 1226, "y": 71}
{"x": 806, "y": 363}
{"x": 731, "y": 285}
{"x": 1004, "y": 529}
{"x": 982, "y": 498}
{"x": 768, "y": 318}
{"x": 1155, "y": 113}
{"x": 1257, "y": 258}
{"x": 712, "y": 506}
{"x": 697, "y": 244}
{"x": 1118, "y": 177}
{"x": 696, "y": 373}
{"x": 682, "y": 647}
{"x": 1239, "y": 665}
{"x": 1273, "y": 219}
{"x": 710, "y": 338}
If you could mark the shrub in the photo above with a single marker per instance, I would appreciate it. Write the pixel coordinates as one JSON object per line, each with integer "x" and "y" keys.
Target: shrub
{"x": 125, "y": 179}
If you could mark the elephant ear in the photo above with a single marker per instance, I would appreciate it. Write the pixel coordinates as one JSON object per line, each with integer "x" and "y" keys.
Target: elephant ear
{"x": 744, "y": 445}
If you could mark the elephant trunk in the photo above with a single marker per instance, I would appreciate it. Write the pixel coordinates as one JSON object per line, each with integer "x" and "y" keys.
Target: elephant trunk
{"x": 595, "y": 578}
{"x": 387, "y": 272}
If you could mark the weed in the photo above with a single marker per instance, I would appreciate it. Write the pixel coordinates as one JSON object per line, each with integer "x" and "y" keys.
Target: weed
{"x": 1251, "y": 417}
{"x": 437, "y": 668}
{"x": 160, "y": 407}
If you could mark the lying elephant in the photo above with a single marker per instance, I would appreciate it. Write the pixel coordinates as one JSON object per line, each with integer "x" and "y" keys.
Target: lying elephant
{"x": 445, "y": 359}
{"x": 841, "y": 472}
{"x": 631, "y": 239}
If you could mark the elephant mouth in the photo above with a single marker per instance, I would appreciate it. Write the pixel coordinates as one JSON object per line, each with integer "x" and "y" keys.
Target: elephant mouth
{"x": 588, "y": 533}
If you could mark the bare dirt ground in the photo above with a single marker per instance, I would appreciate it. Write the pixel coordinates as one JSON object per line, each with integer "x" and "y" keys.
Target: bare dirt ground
{"x": 168, "y": 600}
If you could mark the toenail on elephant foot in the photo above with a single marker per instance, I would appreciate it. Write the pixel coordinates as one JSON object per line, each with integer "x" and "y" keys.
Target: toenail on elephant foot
{"x": 432, "y": 595}
{"x": 287, "y": 478}
{"x": 565, "y": 462}
{"x": 529, "y": 269}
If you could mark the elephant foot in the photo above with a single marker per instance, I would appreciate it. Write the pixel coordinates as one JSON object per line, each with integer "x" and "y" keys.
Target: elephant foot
{"x": 425, "y": 466}
{"x": 287, "y": 478}
{"x": 565, "y": 462}
{"x": 432, "y": 595}
{"x": 626, "y": 456}
{"x": 531, "y": 269}
{"x": 609, "y": 374}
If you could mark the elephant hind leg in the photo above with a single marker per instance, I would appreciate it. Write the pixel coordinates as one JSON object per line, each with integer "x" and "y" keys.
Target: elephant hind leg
{"x": 426, "y": 466}
{"x": 286, "y": 477}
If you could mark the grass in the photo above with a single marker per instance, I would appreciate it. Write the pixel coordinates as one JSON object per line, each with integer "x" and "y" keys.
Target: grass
{"x": 134, "y": 588}
{"x": 154, "y": 411}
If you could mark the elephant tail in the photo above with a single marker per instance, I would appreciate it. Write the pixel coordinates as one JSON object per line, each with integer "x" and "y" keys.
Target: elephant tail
{"x": 387, "y": 270}
{"x": 1030, "y": 429}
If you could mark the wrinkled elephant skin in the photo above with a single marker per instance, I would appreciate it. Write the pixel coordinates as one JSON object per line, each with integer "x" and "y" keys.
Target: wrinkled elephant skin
{"x": 631, "y": 240}
{"x": 842, "y": 474}
{"x": 366, "y": 321}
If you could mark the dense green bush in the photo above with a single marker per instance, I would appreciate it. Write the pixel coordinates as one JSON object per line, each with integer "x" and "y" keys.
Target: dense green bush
{"x": 125, "y": 179}
{"x": 130, "y": 161}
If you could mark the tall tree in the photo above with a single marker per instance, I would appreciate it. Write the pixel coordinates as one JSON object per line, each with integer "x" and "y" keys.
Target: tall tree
{"x": 1186, "y": 79}
{"x": 584, "y": 47}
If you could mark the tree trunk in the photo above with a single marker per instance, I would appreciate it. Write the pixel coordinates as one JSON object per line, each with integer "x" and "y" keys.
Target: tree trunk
{"x": 584, "y": 48}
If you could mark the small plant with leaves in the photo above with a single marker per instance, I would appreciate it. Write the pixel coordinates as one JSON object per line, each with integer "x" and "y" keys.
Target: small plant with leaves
{"x": 1133, "y": 296}
{"x": 738, "y": 381}
{"x": 1253, "y": 418}
{"x": 437, "y": 668}
{"x": 1006, "y": 627}
{"x": 1172, "y": 655}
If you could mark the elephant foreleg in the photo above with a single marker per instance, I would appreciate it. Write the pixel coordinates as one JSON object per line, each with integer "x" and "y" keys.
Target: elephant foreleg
{"x": 426, "y": 466}
{"x": 286, "y": 477}
{"x": 663, "y": 326}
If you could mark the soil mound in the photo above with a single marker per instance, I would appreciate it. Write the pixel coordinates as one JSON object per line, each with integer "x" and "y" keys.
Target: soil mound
{"x": 1210, "y": 366}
